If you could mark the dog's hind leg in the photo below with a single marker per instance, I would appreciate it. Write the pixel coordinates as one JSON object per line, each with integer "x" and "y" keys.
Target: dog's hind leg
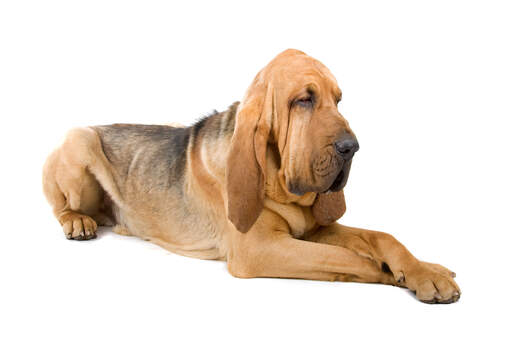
{"x": 70, "y": 183}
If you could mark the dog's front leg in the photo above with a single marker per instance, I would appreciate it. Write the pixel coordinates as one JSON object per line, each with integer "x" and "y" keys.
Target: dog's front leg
{"x": 432, "y": 283}
{"x": 268, "y": 250}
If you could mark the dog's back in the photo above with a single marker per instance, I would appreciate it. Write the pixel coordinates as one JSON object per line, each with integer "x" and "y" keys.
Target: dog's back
{"x": 154, "y": 156}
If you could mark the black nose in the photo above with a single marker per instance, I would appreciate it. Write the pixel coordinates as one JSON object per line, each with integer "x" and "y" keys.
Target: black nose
{"x": 346, "y": 147}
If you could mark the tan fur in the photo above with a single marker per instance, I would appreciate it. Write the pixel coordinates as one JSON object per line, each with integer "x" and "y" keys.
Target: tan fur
{"x": 234, "y": 200}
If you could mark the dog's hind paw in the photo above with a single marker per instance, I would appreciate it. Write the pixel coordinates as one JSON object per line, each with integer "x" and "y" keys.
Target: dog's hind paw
{"x": 78, "y": 226}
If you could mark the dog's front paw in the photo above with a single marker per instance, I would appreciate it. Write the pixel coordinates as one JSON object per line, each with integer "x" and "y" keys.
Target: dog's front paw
{"x": 432, "y": 283}
{"x": 78, "y": 226}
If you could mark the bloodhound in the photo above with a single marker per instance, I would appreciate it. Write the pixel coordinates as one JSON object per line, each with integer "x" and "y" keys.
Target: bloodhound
{"x": 259, "y": 185}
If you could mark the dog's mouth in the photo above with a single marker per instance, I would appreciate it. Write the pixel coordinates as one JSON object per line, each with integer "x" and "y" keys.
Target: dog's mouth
{"x": 341, "y": 180}
{"x": 337, "y": 184}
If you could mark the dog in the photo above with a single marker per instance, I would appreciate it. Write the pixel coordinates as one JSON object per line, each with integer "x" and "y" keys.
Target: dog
{"x": 259, "y": 186}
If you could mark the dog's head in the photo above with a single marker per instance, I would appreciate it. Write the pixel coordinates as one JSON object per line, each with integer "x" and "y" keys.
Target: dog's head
{"x": 292, "y": 104}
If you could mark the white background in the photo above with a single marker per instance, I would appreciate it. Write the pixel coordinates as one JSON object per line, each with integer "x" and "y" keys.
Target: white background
{"x": 426, "y": 87}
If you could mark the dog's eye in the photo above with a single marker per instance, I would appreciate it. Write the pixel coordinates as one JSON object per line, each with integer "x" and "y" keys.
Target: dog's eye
{"x": 305, "y": 102}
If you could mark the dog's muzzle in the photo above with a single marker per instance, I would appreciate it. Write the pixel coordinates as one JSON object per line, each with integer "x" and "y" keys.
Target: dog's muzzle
{"x": 345, "y": 148}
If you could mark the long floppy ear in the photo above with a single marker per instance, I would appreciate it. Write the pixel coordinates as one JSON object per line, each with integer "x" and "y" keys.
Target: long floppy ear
{"x": 329, "y": 207}
{"x": 245, "y": 169}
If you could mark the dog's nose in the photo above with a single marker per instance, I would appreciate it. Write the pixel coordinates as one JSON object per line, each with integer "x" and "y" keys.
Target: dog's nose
{"x": 346, "y": 147}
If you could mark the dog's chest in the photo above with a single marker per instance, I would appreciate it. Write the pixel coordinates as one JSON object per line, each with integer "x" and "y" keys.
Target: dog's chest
{"x": 299, "y": 218}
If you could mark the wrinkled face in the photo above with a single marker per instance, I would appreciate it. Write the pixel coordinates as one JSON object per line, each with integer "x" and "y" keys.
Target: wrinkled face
{"x": 319, "y": 143}
{"x": 292, "y": 105}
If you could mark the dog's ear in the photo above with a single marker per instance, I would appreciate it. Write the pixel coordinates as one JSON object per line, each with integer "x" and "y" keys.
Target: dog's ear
{"x": 329, "y": 207}
{"x": 245, "y": 169}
